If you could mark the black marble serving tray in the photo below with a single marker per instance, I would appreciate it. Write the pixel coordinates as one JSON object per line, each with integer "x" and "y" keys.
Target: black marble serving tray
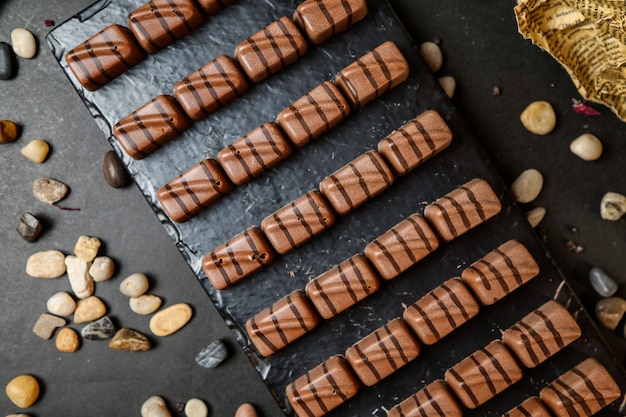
{"x": 303, "y": 171}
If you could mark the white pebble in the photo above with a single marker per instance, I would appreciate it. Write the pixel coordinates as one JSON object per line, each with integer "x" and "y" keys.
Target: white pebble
{"x": 24, "y": 43}
{"x": 195, "y": 407}
{"x": 154, "y": 407}
{"x": 46, "y": 264}
{"x": 535, "y": 216}
{"x": 78, "y": 272}
{"x": 89, "y": 309}
{"x": 134, "y": 285}
{"x": 587, "y": 147}
{"x": 102, "y": 268}
{"x": 431, "y": 52}
{"x": 527, "y": 186}
{"x": 613, "y": 206}
{"x": 61, "y": 304}
{"x": 539, "y": 118}
{"x": 145, "y": 304}
{"x": 448, "y": 84}
{"x": 86, "y": 248}
{"x": 171, "y": 319}
{"x": 36, "y": 150}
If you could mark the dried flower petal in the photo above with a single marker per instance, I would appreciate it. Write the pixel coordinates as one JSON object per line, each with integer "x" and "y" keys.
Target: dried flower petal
{"x": 49, "y": 22}
{"x": 582, "y": 108}
{"x": 573, "y": 246}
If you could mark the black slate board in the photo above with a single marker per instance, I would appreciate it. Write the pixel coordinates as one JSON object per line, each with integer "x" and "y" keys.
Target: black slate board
{"x": 248, "y": 205}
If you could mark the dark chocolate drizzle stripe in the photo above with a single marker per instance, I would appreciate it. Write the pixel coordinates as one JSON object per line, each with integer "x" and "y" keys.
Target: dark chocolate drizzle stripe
{"x": 509, "y": 262}
{"x": 342, "y": 190}
{"x": 396, "y": 344}
{"x": 289, "y": 37}
{"x": 177, "y": 199}
{"x": 526, "y": 342}
{"x": 427, "y": 320}
{"x": 323, "y": 221}
{"x": 557, "y": 335}
{"x": 353, "y": 91}
{"x": 425, "y": 135}
{"x": 257, "y": 156}
{"x": 383, "y": 67}
{"x": 327, "y": 15}
{"x": 298, "y": 398}
{"x": 161, "y": 19}
{"x": 224, "y": 74}
{"x": 271, "y": 141}
{"x": 297, "y": 314}
{"x": 361, "y": 180}
{"x": 496, "y": 272}
{"x": 566, "y": 400}
{"x": 477, "y": 205}
{"x": 496, "y": 363}
{"x": 143, "y": 31}
{"x": 368, "y": 75}
{"x": 259, "y": 333}
{"x": 385, "y": 349}
{"x": 522, "y": 410}
{"x": 485, "y": 375}
{"x": 346, "y": 282}
{"x": 252, "y": 245}
{"x": 194, "y": 91}
{"x": 145, "y": 131}
{"x": 335, "y": 99}
{"x": 176, "y": 10}
{"x": 189, "y": 191}
{"x": 421, "y": 234}
{"x": 367, "y": 362}
{"x": 465, "y": 387}
{"x": 233, "y": 259}
{"x": 398, "y": 154}
{"x": 348, "y": 9}
{"x": 336, "y": 387}
{"x": 442, "y": 306}
{"x": 380, "y": 169}
{"x": 456, "y": 301}
{"x": 318, "y": 398}
{"x": 405, "y": 246}
{"x": 210, "y": 88}
{"x": 113, "y": 48}
{"x": 96, "y": 61}
{"x": 303, "y": 123}
{"x": 318, "y": 109}
{"x": 322, "y": 293}
{"x": 284, "y": 229}
{"x": 72, "y": 57}
{"x": 360, "y": 277}
{"x": 412, "y": 143}
{"x": 221, "y": 270}
{"x": 242, "y": 161}
{"x": 574, "y": 397}
{"x": 278, "y": 330}
{"x": 388, "y": 256}
{"x": 303, "y": 221}
{"x": 460, "y": 211}
{"x": 168, "y": 119}
{"x": 539, "y": 340}
{"x": 211, "y": 179}
{"x": 446, "y": 219}
{"x": 433, "y": 403}
{"x": 275, "y": 47}
{"x": 259, "y": 55}
{"x": 591, "y": 387}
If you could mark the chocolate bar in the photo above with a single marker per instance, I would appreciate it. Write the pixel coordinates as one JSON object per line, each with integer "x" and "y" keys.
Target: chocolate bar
{"x": 433, "y": 400}
{"x": 212, "y": 7}
{"x": 532, "y": 407}
{"x": 323, "y": 19}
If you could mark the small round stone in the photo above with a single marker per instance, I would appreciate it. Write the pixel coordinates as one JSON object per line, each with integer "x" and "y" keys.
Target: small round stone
{"x": 36, "y": 150}
{"x": 246, "y": 410}
{"x": 448, "y": 84}
{"x": 535, "y": 216}
{"x": 609, "y": 311}
{"x": 154, "y": 407}
{"x": 602, "y": 282}
{"x": 89, "y": 309}
{"x": 587, "y": 147}
{"x": 195, "y": 407}
{"x": 145, "y": 304}
{"x": 49, "y": 191}
{"x": 29, "y": 227}
{"x": 431, "y": 52}
{"x": 7, "y": 62}
{"x": 61, "y": 304}
{"x": 102, "y": 268}
{"x": 18, "y": 415}
{"x": 613, "y": 206}
{"x": 67, "y": 340}
{"x": 114, "y": 171}
{"x": 527, "y": 186}
{"x": 212, "y": 355}
{"x": 539, "y": 118}
{"x": 24, "y": 43}
{"x": 46, "y": 264}
{"x": 8, "y": 131}
{"x": 171, "y": 319}
{"x": 23, "y": 391}
{"x": 100, "y": 329}
{"x": 86, "y": 248}
{"x": 134, "y": 285}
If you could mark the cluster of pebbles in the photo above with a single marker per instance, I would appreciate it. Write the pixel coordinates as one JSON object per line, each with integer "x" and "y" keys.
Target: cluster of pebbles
{"x": 155, "y": 406}
{"x": 433, "y": 56}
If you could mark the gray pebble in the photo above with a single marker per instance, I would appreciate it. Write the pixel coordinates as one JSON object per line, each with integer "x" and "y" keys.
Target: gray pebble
{"x": 212, "y": 355}
{"x": 602, "y": 282}
{"x": 114, "y": 171}
{"x": 29, "y": 227}
{"x": 49, "y": 191}
{"x": 7, "y": 61}
{"x": 47, "y": 324}
{"x": 100, "y": 329}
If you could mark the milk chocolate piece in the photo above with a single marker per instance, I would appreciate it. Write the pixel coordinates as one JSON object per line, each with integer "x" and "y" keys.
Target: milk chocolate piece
{"x": 415, "y": 142}
{"x": 441, "y": 311}
{"x": 383, "y": 352}
{"x": 342, "y": 286}
{"x": 463, "y": 209}
{"x": 298, "y": 222}
{"x": 323, "y": 19}
{"x": 280, "y": 324}
{"x": 532, "y": 407}
{"x": 104, "y": 56}
{"x": 210, "y": 88}
{"x": 500, "y": 272}
{"x": 484, "y": 374}
{"x": 373, "y": 74}
{"x": 198, "y": 187}
{"x": 323, "y": 388}
{"x": 212, "y": 7}
{"x": 159, "y": 23}
{"x": 151, "y": 126}
{"x": 240, "y": 257}
{"x": 581, "y": 391}
{"x": 541, "y": 334}
{"x": 271, "y": 49}
{"x": 357, "y": 182}
{"x": 313, "y": 114}
{"x": 254, "y": 153}
{"x": 433, "y": 400}
{"x": 402, "y": 246}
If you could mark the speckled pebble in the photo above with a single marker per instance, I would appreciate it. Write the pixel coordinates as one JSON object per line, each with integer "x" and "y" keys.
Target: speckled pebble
{"x": 78, "y": 272}
{"x": 61, "y": 304}
{"x": 195, "y": 407}
{"x": 49, "y": 190}
{"x": 431, "y": 52}
{"x": 102, "y": 268}
{"x": 145, "y": 304}
{"x": 613, "y": 206}
{"x": 46, "y": 264}
{"x": 602, "y": 282}
{"x": 86, "y": 248}
{"x": 130, "y": 340}
{"x": 23, "y": 390}
{"x": 67, "y": 340}
{"x": 47, "y": 324}
{"x": 539, "y": 118}
{"x": 212, "y": 355}
{"x": 36, "y": 150}
{"x": 609, "y": 311}
{"x": 24, "y": 43}
{"x": 448, "y": 84}
{"x": 246, "y": 410}
{"x": 535, "y": 216}
{"x": 527, "y": 186}
{"x": 154, "y": 407}
{"x": 587, "y": 147}
{"x": 134, "y": 285}
{"x": 89, "y": 309}
{"x": 29, "y": 227}
{"x": 100, "y": 329}
{"x": 8, "y": 130}
{"x": 114, "y": 171}
{"x": 171, "y": 319}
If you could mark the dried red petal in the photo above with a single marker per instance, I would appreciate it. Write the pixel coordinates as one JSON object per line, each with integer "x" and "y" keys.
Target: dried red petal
{"x": 49, "y": 22}
{"x": 586, "y": 109}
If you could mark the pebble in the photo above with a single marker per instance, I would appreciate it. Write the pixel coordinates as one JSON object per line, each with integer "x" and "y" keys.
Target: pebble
{"x": 539, "y": 118}
{"x": 67, "y": 340}
{"x": 609, "y": 311}
{"x": 613, "y": 206}
{"x": 46, "y": 264}
{"x": 100, "y": 329}
{"x": 49, "y": 190}
{"x": 448, "y": 84}
{"x": 61, "y": 304}
{"x": 431, "y": 52}
{"x": 114, "y": 171}
{"x": 102, "y": 268}
{"x": 130, "y": 340}
{"x": 29, "y": 227}
{"x": 535, "y": 216}
{"x": 212, "y": 355}
{"x": 246, "y": 410}
{"x": 23, "y": 390}
{"x": 602, "y": 282}
{"x": 89, "y": 309}
{"x": 86, "y": 248}
{"x": 171, "y": 319}
{"x": 587, "y": 147}
{"x": 154, "y": 407}
{"x": 134, "y": 285}
{"x": 8, "y": 131}
{"x": 24, "y": 43}
{"x": 195, "y": 407}
{"x": 36, "y": 150}
{"x": 47, "y": 324}
{"x": 7, "y": 63}
{"x": 18, "y": 415}
{"x": 78, "y": 272}
{"x": 527, "y": 186}
{"x": 145, "y": 304}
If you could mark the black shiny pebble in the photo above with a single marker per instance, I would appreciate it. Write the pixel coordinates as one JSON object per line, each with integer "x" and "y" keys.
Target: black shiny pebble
{"x": 114, "y": 171}
{"x": 29, "y": 227}
{"x": 7, "y": 61}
